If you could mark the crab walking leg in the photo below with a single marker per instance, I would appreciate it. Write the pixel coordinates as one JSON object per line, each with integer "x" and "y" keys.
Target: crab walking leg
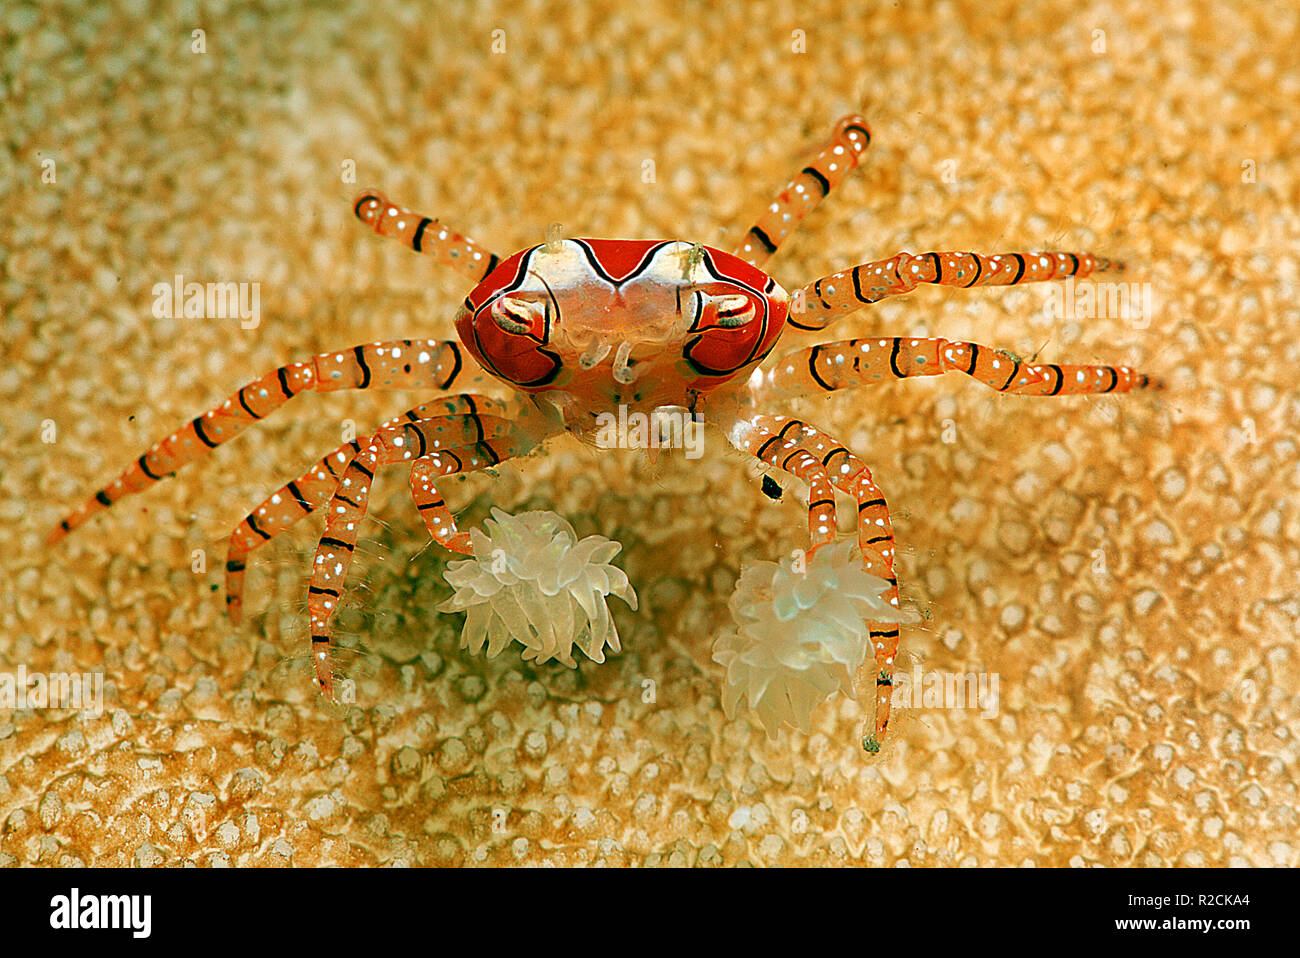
{"x": 425, "y": 235}
{"x": 850, "y": 474}
{"x": 857, "y": 362}
{"x": 399, "y": 364}
{"x": 775, "y": 440}
{"x": 348, "y": 507}
{"x": 820, "y": 303}
{"x": 454, "y": 421}
{"x": 809, "y": 187}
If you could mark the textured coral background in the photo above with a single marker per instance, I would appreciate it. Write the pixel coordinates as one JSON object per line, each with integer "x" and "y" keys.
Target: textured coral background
{"x": 1125, "y": 564}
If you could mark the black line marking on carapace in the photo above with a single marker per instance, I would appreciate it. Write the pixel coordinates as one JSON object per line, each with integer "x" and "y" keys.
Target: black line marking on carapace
{"x": 762, "y": 450}
{"x": 826, "y": 459}
{"x": 1075, "y": 260}
{"x": 316, "y": 590}
{"x": 938, "y": 268}
{"x": 198, "y": 431}
{"x": 365, "y": 199}
{"x": 869, "y": 503}
{"x": 284, "y": 383}
{"x": 552, "y": 303}
{"x": 102, "y": 498}
{"x": 144, "y": 467}
{"x": 764, "y": 320}
{"x": 234, "y": 565}
{"x": 431, "y": 505}
{"x": 493, "y": 262}
{"x": 979, "y": 270}
{"x": 417, "y": 241}
{"x": 871, "y": 542}
{"x": 360, "y": 353}
{"x": 521, "y": 273}
{"x": 636, "y": 270}
{"x": 1114, "y": 378}
{"x": 1060, "y": 379}
{"x": 820, "y": 502}
{"x": 821, "y": 180}
{"x": 362, "y": 469}
{"x": 328, "y": 540}
{"x": 974, "y": 357}
{"x": 252, "y": 524}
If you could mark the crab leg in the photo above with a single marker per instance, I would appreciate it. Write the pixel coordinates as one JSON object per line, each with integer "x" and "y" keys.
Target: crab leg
{"x": 403, "y": 443}
{"x": 809, "y": 187}
{"x": 425, "y": 235}
{"x": 821, "y": 455}
{"x": 454, "y": 421}
{"x": 857, "y": 362}
{"x": 769, "y": 438}
{"x": 398, "y": 364}
{"x": 820, "y": 303}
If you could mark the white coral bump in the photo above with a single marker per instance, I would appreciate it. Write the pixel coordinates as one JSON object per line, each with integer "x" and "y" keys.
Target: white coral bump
{"x": 531, "y": 580}
{"x": 800, "y": 635}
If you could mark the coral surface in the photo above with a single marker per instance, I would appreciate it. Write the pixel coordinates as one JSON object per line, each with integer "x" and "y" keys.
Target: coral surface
{"x": 1127, "y": 566}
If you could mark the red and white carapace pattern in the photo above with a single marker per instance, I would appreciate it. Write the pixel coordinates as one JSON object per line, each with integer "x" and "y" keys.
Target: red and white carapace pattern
{"x": 580, "y": 327}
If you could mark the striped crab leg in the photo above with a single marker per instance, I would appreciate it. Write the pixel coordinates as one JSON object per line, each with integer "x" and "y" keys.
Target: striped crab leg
{"x": 453, "y": 421}
{"x": 808, "y": 445}
{"x": 425, "y": 235}
{"x": 407, "y": 442}
{"x": 823, "y": 301}
{"x": 858, "y": 362}
{"x": 399, "y": 364}
{"x": 850, "y": 474}
{"x": 775, "y": 440}
{"x": 809, "y": 187}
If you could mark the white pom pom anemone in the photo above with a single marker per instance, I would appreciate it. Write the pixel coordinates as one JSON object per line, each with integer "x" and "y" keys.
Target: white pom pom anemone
{"x": 531, "y": 580}
{"x": 801, "y": 635}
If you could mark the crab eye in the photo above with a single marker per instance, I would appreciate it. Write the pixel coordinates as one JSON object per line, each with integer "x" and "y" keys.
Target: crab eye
{"x": 509, "y": 335}
{"x": 730, "y": 312}
{"x": 727, "y": 329}
{"x": 520, "y": 317}
{"x": 719, "y": 310}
